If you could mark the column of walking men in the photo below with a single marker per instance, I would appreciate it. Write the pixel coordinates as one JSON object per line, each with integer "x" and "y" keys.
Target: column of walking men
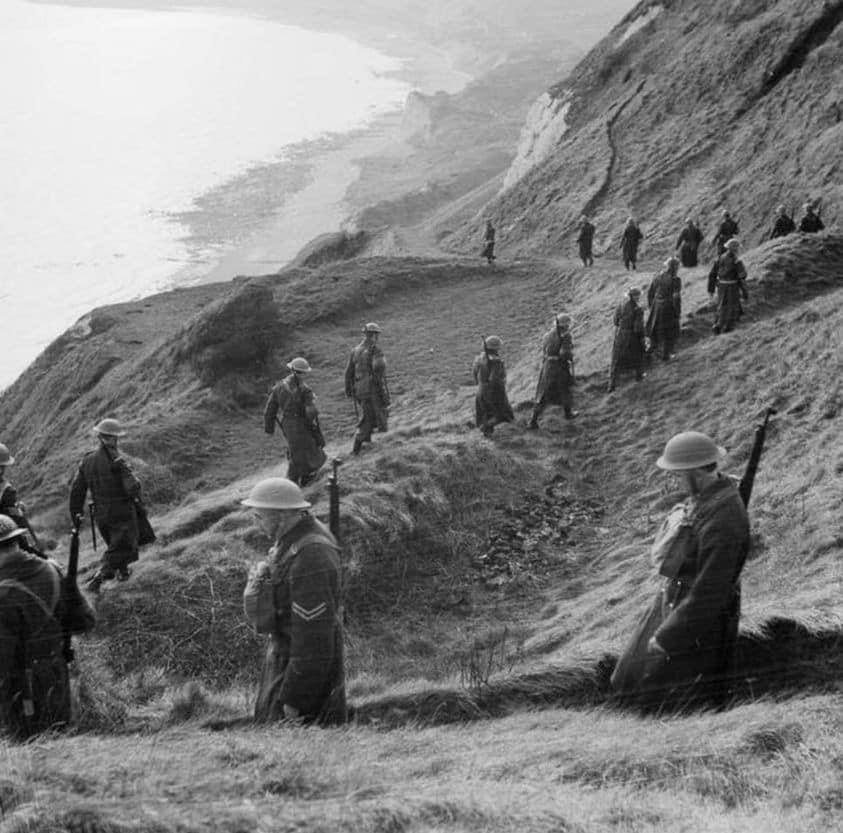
{"x": 682, "y": 652}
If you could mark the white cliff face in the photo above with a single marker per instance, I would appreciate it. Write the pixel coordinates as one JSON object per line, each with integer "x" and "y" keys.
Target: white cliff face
{"x": 639, "y": 23}
{"x": 544, "y": 128}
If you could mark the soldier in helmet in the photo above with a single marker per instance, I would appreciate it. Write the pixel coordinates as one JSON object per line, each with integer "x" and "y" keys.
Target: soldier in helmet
{"x": 489, "y": 243}
{"x": 630, "y": 241}
{"x": 116, "y": 494}
{"x": 294, "y": 596}
{"x": 9, "y": 503}
{"x": 727, "y": 229}
{"x": 365, "y": 381}
{"x": 299, "y": 422}
{"x": 665, "y": 300}
{"x": 491, "y": 404}
{"x": 728, "y": 278}
{"x": 557, "y": 375}
{"x": 683, "y": 648}
{"x": 585, "y": 241}
{"x": 628, "y": 345}
{"x": 688, "y": 243}
{"x": 782, "y": 225}
{"x": 37, "y": 609}
{"x": 811, "y": 222}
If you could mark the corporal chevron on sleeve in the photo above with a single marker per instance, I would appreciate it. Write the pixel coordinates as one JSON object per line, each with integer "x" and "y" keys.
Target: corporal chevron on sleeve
{"x": 311, "y": 614}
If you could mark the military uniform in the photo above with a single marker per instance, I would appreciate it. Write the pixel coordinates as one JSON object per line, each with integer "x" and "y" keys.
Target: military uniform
{"x": 489, "y": 243}
{"x": 727, "y": 277}
{"x": 295, "y": 598}
{"x": 365, "y": 379}
{"x": 725, "y": 232}
{"x": 700, "y": 551}
{"x": 628, "y": 345}
{"x": 115, "y": 491}
{"x": 9, "y": 504}
{"x": 491, "y": 404}
{"x": 585, "y": 241}
{"x": 688, "y": 244}
{"x": 35, "y": 608}
{"x": 782, "y": 226}
{"x": 294, "y": 400}
{"x": 630, "y": 240}
{"x": 810, "y": 223}
{"x": 555, "y": 378}
{"x": 665, "y": 300}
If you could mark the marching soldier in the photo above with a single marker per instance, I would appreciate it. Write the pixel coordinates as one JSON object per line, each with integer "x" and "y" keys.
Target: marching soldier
{"x": 630, "y": 241}
{"x": 585, "y": 241}
{"x": 665, "y": 301}
{"x": 727, "y": 229}
{"x": 683, "y": 648}
{"x": 299, "y": 423}
{"x": 728, "y": 278}
{"x": 37, "y": 610}
{"x": 491, "y": 404}
{"x": 489, "y": 243}
{"x": 628, "y": 345}
{"x": 365, "y": 382}
{"x": 688, "y": 244}
{"x": 556, "y": 377}
{"x": 9, "y": 503}
{"x": 116, "y": 494}
{"x": 294, "y": 597}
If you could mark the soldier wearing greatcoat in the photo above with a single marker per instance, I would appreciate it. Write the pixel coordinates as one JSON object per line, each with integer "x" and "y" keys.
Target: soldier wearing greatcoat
{"x": 630, "y": 240}
{"x": 682, "y": 651}
{"x": 628, "y": 346}
{"x": 116, "y": 494}
{"x": 585, "y": 241}
{"x": 556, "y": 377}
{"x": 293, "y": 399}
{"x": 491, "y": 403}
{"x": 37, "y": 609}
{"x": 294, "y": 597}
{"x": 811, "y": 222}
{"x": 688, "y": 244}
{"x": 365, "y": 381}
{"x": 728, "y": 279}
{"x": 664, "y": 298}
{"x": 727, "y": 229}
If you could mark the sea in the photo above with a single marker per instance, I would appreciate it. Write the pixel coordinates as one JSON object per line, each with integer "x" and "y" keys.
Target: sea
{"x": 118, "y": 125}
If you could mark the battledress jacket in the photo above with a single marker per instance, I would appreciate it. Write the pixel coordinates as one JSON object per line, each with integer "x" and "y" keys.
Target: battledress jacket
{"x": 630, "y": 241}
{"x": 491, "y": 404}
{"x": 295, "y": 598}
{"x": 294, "y": 401}
{"x": 728, "y": 277}
{"x": 554, "y": 386}
{"x": 9, "y": 505}
{"x": 694, "y": 616}
{"x": 688, "y": 244}
{"x": 35, "y": 606}
{"x": 782, "y": 226}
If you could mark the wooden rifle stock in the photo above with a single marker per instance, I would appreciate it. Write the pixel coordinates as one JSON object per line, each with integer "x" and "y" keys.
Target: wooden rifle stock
{"x": 748, "y": 479}
{"x": 334, "y": 493}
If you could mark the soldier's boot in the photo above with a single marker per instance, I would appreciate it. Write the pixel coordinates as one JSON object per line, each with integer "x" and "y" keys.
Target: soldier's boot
{"x": 358, "y": 444}
{"x": 93, "y": 584}
{"x": 123, "y": 574}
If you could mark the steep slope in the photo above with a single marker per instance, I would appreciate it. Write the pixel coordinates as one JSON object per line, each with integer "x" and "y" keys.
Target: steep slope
{"x": 682, "y": 110}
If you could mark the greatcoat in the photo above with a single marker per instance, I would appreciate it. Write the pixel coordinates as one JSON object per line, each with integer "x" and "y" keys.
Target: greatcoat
{"x": 728, "y": 277}
{"x": 665, "y": 299}
{"x": 365, "y": 380}
{"x": 628, "y": 346}
{"x": 491, "y": 403}
{"x": 554, "y": 386}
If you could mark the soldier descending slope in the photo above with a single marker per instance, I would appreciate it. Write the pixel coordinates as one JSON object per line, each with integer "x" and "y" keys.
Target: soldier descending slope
{"x": 728, "y": 277}
{"x": 688, "y": 244}
{"x": 38, "y": 612}
{"x": 664, "y": 298}
{"x": 628, "y": 345}
{"x": 9, "y": 503}
{"x": 556, "y": 377}
{"x": 683, "y": 647}
{"x": 294, "y": 597}
{"x": 489, "y": 243}
{"x": 116, "y": 494}
{"x": 585, "y": 241}
{"x": 365, "y": 381}
{"x": 630, "y": 240}
{"x": 299, "y": 423}
{"x": 491, "y": 404}
{"x": 782, "y": 225}
{"x": 727, "y": 229}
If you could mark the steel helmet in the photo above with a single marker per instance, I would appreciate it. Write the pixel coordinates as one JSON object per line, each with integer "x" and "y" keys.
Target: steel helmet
{"x": 371, "y": 327}
{"x": 733, "y": 245}
{"x": 299, "y": 365}
{"x": 563, "y": 320}
{"x": 809, "y": 206}
{"x": 9, "y": 529}
{"x": 109, "y": 426}
{"x": 493, "y": 343}
{"x": 6, "y": 458}
{"x": 689, "y": 450}
{"x": 633, "y": 290}
{"x": 276, "y": 493}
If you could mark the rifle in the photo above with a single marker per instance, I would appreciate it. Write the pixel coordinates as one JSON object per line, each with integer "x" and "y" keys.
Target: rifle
{"x": 70, "y": 586}
{"x": 745, "y": 487}
{"x": 93, "y": 525}
{"x": 334, "y": 492}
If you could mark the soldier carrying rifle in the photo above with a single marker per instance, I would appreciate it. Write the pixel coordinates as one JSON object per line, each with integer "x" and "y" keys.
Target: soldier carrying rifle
{"x": 299, "y": 423}
{"x": 365, "y": 382}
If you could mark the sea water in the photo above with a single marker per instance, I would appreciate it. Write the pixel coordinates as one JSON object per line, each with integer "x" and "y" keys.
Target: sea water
{"x": 112, "y": 121}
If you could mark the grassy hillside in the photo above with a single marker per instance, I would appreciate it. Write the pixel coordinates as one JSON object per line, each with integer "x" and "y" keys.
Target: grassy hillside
{"x": 682, "y": 110}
